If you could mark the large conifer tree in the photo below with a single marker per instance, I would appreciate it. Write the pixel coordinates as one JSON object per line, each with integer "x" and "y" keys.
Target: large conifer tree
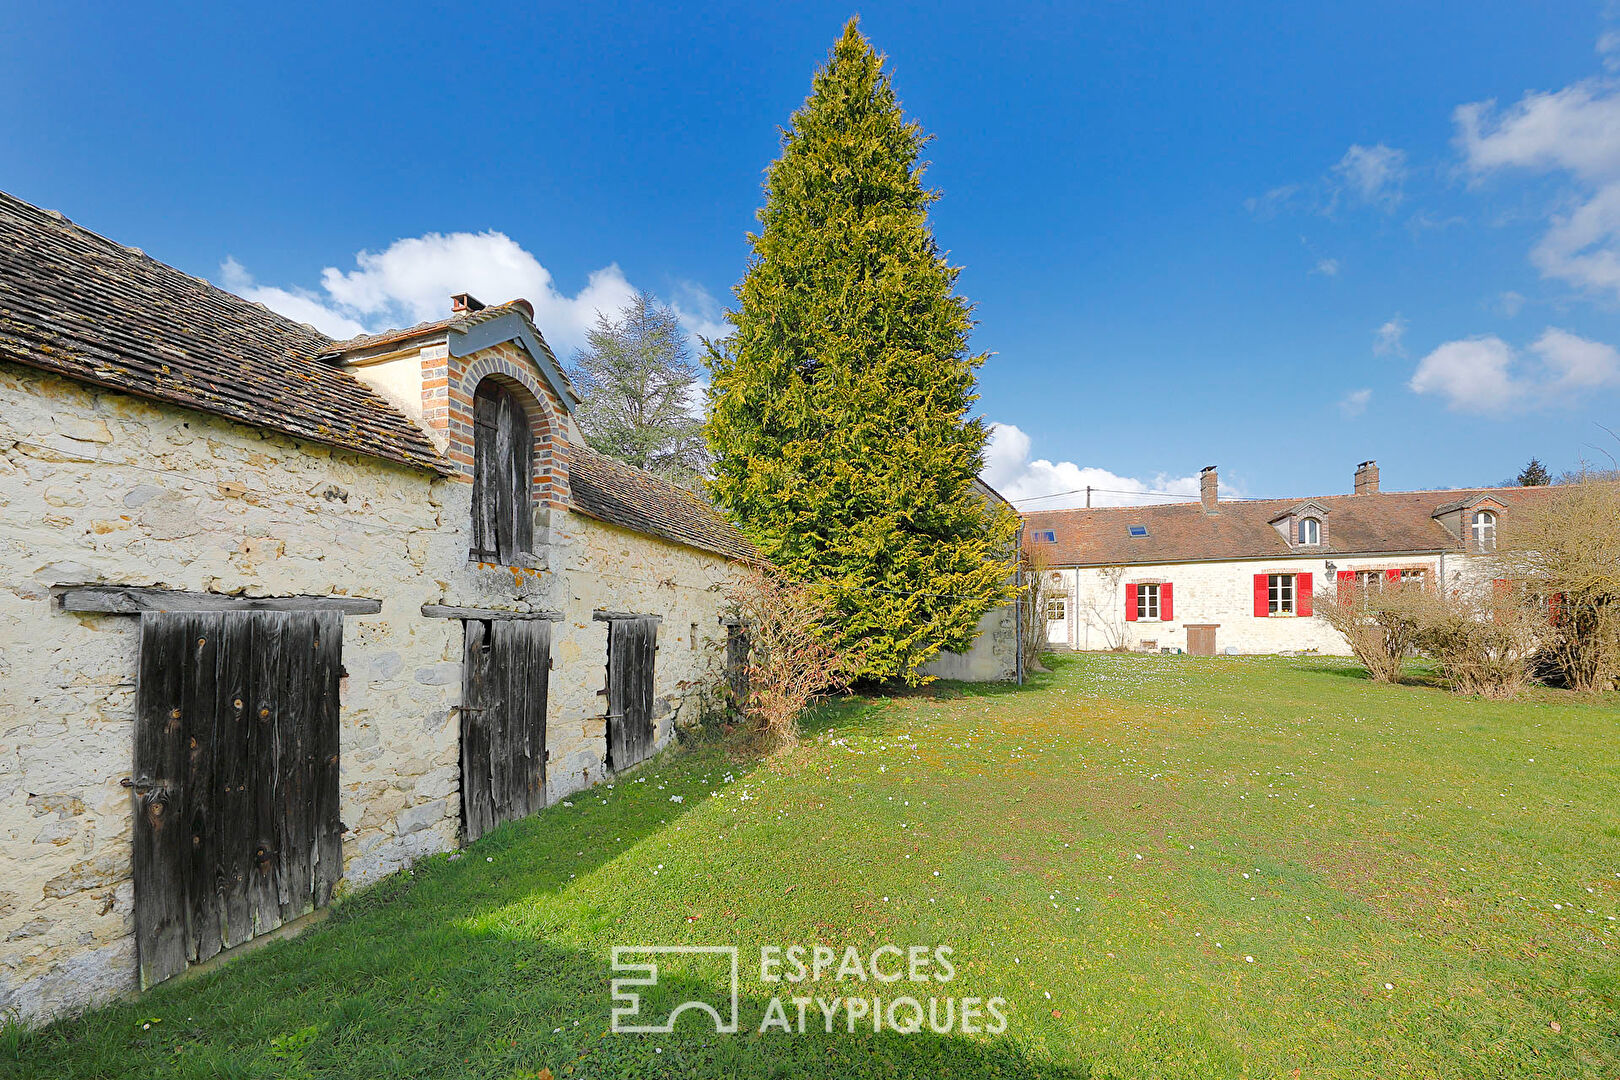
{"x": 838, "y": 412}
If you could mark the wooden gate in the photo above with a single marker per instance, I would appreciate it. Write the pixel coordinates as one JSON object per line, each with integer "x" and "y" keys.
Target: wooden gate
{"x": 632, "y": 646}
{"x": 236, "y": 779}
{"x": 503, "y": 722}
{"x": 1201, "y": 640}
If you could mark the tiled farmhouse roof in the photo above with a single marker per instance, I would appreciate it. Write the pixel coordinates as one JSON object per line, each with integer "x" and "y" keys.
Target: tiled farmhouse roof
{"x": 1391, "y": 522}
{"x": 78, "y": 304}
{"x": 623, "y": 495}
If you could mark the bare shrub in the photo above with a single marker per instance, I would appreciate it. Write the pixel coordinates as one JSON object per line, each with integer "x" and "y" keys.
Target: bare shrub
{"x": 1564, "y": 549}
{"x": 1102, "y": 610}
{"x": 1036, "y": 592}
{"x": 790, "y": 658}
{"x": 1483, "y": 639}
{"x": 1380, "y": 621}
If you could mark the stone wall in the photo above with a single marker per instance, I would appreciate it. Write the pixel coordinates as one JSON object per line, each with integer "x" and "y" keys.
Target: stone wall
{"x": 1222, "y": 594}
{"x": 100, "y": 487}
{"x": 993, "y": 656}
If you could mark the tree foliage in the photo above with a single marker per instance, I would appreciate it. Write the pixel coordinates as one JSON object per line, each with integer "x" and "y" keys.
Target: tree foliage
{"x": 838, "y": 411}
{"x": 1535, "y": 474}
{"x": 638, "y": 381}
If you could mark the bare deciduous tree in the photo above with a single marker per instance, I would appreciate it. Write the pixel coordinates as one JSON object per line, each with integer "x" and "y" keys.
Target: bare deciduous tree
{"x": 1037, "y": 592}
{"x": 1483, "y": 638}
{"x": 1564, "y": 551}
{"x": 1102, "y": 607}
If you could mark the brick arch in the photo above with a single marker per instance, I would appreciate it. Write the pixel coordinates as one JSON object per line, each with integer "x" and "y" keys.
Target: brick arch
{"x": 550, "y": 480}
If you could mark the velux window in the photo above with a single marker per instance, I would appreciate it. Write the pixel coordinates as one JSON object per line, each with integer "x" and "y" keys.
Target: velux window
{"x": 1044, "y": 536}
{"x": 1136, "y": 530}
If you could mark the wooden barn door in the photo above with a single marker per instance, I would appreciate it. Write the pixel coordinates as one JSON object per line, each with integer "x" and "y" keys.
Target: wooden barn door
{"x": 503, "y": 722}
{"x": 632, "y": 646}
{"x": 236, "y": 779}
{"x": 1201, "y": 640}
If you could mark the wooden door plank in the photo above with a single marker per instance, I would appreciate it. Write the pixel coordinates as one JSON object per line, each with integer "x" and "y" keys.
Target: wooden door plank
{"x": 159, "y": 834}
{"x": 293, "y": 772}
{"x": 264, "y": 709}
{"x": 232, "y": 796}
{"x": 475, "y": 782}
{"x": 199, "y": 703}
{"x": 326, "y": 781}
{"x": 538, "y": 667}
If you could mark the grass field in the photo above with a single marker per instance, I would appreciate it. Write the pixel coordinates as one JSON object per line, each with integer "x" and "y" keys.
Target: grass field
{"x": 1169, "y": 867}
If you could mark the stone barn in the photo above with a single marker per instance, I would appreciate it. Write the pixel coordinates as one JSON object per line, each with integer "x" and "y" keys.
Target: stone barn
{"x": 281, "y": 614}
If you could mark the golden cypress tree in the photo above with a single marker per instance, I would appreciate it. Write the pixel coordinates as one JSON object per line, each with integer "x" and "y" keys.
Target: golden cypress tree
{"x": 839, "y": 410}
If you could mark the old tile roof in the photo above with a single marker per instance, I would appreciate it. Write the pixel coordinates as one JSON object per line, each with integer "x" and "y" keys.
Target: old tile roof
{"x": 623, "y": 495}
{"x": 1388, "y": 522}
{"x": 78, "y": 304}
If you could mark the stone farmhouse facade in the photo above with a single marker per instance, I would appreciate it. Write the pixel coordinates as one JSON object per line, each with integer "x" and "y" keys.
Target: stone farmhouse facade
{"x": 280, "y": 614}
{"x": 1239, "y": 576}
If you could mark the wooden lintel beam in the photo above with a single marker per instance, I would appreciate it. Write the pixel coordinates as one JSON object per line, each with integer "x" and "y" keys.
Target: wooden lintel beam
{"x": 444, "y": 611}
{"x": 610, "y": 616}
{"x": 132, "y": 600}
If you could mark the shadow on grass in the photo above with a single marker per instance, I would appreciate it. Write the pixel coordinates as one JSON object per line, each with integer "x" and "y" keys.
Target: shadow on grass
{"x": 451, "y": 970}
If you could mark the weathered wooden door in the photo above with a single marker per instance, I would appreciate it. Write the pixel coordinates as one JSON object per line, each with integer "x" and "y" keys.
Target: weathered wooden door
{"x": 1201, "y": 640}
{"x": 632, "y": 646}
{"x": 236, "y": 779}
{"x": 503, "y": 722}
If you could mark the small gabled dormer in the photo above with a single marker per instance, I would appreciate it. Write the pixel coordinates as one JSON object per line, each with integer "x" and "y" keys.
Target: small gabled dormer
{"x": 1305, "y": 526}
{"x": 1472, "y": 522}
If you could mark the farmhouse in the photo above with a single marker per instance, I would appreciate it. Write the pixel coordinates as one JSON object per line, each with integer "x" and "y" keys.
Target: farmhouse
{"x": 281, "y": 614}
{"x": 1237, "y": 576}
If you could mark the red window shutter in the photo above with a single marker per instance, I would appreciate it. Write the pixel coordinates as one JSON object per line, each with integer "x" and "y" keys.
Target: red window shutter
{"x": 1302, "y": 595}
{"x": 1392, "y": 575}
{"x": 1347, "y": 581}
{"x": 1501, "y": 585}
{"x": 1167, "y": 609}
{"x": 1555, "y": 609}
{"x": 1130, "y": 603}
{"x": 1262, "y": 596}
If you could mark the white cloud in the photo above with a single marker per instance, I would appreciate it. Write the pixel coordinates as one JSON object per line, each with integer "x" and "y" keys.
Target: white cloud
{"x": 1326, "y": 267}
{"x": 1008, "y": 469}
{"x": 1510, "y": 303}
{"x": 1354, "y": 403}
{"x": 1388, "y": 340}
{"x": 699, "y": 312}
{"x": 1575, "y": 132}
{"x": 1372, "y": 174}
{"x": 1487, "y": 375}
{"x": 412, "y": 280}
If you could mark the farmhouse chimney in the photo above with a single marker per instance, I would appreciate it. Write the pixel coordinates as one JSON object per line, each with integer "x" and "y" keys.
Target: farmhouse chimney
{"x": 465, "y": 302}
{"x": 1367, "y": 478}
{"x": 1208, "y": 485}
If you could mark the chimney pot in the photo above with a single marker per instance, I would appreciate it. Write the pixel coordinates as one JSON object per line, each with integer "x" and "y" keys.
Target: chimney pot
{"x": 1208, "y": 486}
{"x": 1367, "y": 478}
{"x": 466, "y": 302}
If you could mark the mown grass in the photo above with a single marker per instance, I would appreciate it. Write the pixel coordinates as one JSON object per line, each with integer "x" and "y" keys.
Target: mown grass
{"x": 1171, "y": 867}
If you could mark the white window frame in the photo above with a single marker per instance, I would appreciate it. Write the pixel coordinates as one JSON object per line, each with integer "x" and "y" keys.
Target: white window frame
{"x": 1060, "y": 604}
{"x": 1282, "y": 593}
{"x": 1371, "y": 579}
{"x": 1315, "y": 527}
{"x": 1418, "y": 576}
{"x": 1483, "y": 526}
{"x": 1147, "y": 602}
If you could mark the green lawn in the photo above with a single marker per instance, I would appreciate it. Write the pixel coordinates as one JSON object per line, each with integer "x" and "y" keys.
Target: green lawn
{"x": 1170, "y": 867}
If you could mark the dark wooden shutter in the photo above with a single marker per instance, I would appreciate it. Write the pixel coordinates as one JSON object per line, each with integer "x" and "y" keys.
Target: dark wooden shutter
{"x": 236, "y": 779}
{"x": 1262, "y": 596}
{"x": 503, "y": 476}
{"x": 1130, "y": 603}
{"x": 1167, "y": 606}
{"x": 1303, "y": 603}
{"x": 632, "y": 648}
{"x": 503, "y": 722}
{"x": 486, "y": 472}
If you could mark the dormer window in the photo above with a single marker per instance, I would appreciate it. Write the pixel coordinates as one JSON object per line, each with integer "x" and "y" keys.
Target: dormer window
{"x": 503, "y": 477}
{"x": 1310, "y": 531}
{"x": 1484, "y": 530}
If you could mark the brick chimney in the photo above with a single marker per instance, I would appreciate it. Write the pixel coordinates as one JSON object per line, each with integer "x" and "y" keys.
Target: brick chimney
{"x": 1367, "y": 478}
{"x": 1208, "y": 485}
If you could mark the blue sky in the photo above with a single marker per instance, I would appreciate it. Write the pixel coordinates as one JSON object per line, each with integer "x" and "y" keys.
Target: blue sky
{"x": 1281, "y": 239}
